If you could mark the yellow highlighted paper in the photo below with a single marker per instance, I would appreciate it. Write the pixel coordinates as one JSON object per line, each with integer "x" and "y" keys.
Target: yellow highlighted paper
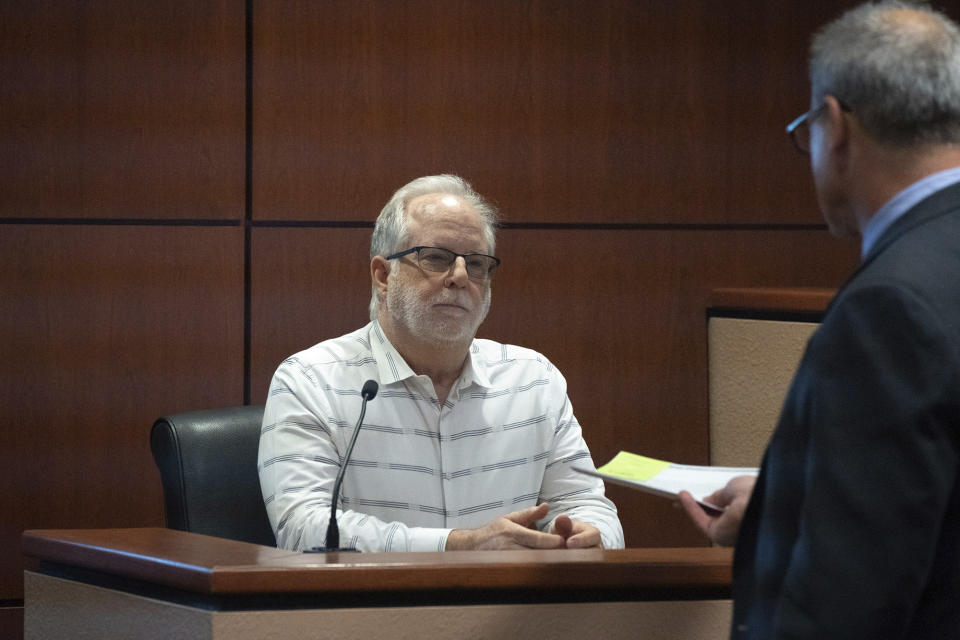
{"x": 631, "y": 466}
{"x": 667, "y": 479}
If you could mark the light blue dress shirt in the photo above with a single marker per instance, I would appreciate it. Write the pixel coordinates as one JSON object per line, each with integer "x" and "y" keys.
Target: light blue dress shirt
{"x": 903, "y": 202}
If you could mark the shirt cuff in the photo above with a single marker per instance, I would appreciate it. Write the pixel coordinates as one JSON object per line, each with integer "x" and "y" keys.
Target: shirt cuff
{"x": 428, "y": 539}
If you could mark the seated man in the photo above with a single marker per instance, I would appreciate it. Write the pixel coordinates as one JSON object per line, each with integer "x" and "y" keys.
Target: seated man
{"x": 469, "y": 443}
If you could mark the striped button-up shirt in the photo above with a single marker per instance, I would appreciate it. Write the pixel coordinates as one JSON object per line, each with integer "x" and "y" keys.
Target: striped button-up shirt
{"x": 504, "y": 440}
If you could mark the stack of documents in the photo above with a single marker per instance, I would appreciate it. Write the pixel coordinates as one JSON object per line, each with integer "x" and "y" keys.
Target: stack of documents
{"x": 667, "y": 479}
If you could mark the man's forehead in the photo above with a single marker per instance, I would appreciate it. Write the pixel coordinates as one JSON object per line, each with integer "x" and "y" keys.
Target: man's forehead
{"x": 449, "y": 201}
{"x": 437, "y": 202}
{"x": 442, "y": 208}
{"x": 445, "y": 218}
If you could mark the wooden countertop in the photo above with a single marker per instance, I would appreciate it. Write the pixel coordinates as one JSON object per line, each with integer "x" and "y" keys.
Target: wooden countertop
{"x": 208, "y": 565}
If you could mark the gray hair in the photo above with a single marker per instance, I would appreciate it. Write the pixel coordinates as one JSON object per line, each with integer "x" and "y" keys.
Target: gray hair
{"x": 901, "y": 78}
{"x": 390, "y": 231}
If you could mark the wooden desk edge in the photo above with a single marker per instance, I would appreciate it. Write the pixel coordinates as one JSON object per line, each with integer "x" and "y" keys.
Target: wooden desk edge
{"x": 779, "y": 299}
{"x": 214, "y": 566}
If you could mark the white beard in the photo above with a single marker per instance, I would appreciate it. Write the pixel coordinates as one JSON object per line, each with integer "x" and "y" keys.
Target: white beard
{"x": 416, "y": 315}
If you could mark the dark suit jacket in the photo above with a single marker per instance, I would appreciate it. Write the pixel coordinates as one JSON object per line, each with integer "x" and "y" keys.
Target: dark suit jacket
{"x": 853, "y": 529}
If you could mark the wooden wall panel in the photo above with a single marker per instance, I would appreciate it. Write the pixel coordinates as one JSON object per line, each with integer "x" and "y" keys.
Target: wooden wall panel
{"x": 615, "y": 111}
{"x": 11, "y": 622}
{"x": 117, "y": 109}
{"x": 106, "y": 328}
{"x": 306, "y": 285}
{"x": 621, "y": 313}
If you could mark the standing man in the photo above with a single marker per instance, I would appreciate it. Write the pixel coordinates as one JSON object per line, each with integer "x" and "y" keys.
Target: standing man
{"x": 853, "y": 527}
{"x": 469, "y": 443}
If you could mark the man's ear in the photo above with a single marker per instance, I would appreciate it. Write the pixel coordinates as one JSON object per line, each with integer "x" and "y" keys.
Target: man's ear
{"x": 838, "y": 124}
{"x": 379, "y": 271}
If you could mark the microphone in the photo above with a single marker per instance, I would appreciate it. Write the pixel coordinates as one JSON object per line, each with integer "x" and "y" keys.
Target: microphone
{"x": 368, "y": 392}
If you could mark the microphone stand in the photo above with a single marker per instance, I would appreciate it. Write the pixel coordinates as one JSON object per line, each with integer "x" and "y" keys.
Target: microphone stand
{"x": 369, "y": 392}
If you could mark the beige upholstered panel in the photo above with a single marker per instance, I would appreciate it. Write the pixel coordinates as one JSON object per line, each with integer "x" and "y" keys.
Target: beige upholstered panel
{"x": 751, "y": 363}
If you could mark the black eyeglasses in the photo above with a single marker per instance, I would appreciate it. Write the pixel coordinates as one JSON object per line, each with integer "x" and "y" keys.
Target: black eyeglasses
{"x": 480, "y": 267}
{"x": 799, "y": 129}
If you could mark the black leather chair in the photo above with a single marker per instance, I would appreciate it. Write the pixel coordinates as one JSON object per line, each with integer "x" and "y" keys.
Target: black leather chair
{"x": 208, "y": 467}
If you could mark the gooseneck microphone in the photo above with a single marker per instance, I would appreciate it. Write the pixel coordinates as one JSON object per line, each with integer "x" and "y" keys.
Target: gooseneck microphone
{"x": 368, "y": 392}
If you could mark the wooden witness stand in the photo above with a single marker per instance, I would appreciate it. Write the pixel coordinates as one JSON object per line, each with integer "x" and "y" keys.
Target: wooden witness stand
{"x": 161, "y": 583}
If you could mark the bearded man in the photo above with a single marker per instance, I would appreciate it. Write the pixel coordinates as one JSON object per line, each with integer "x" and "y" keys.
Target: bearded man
{"x": 469, "y": 444}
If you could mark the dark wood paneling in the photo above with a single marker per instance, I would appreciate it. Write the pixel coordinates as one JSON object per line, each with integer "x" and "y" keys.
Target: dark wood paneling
{"x": 122, "y": 109}
{"x": 621, "y": 313}
{"x": 105, "y": 329}
{"x": 11, "y": 623}
{"x": 615, "y": 111}
{"x": 306, "y": 285}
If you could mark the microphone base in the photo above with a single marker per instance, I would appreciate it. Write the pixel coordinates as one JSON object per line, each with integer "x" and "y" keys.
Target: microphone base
{"x": 331, "y": 550}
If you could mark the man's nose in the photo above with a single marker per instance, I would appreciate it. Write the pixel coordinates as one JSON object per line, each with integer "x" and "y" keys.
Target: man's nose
{"x": 457, "y": 274}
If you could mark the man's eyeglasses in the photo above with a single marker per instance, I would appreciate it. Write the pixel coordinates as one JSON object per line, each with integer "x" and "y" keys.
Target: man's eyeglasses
{"x": 799, "y": 129}
{"x": 480, "y": 267}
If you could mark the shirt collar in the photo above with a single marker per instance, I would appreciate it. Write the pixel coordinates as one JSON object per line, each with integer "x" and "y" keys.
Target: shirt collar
{"x": 899, "y": 204}
{"x": 391, "y": 367}
{"x": 472, "y": 372}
